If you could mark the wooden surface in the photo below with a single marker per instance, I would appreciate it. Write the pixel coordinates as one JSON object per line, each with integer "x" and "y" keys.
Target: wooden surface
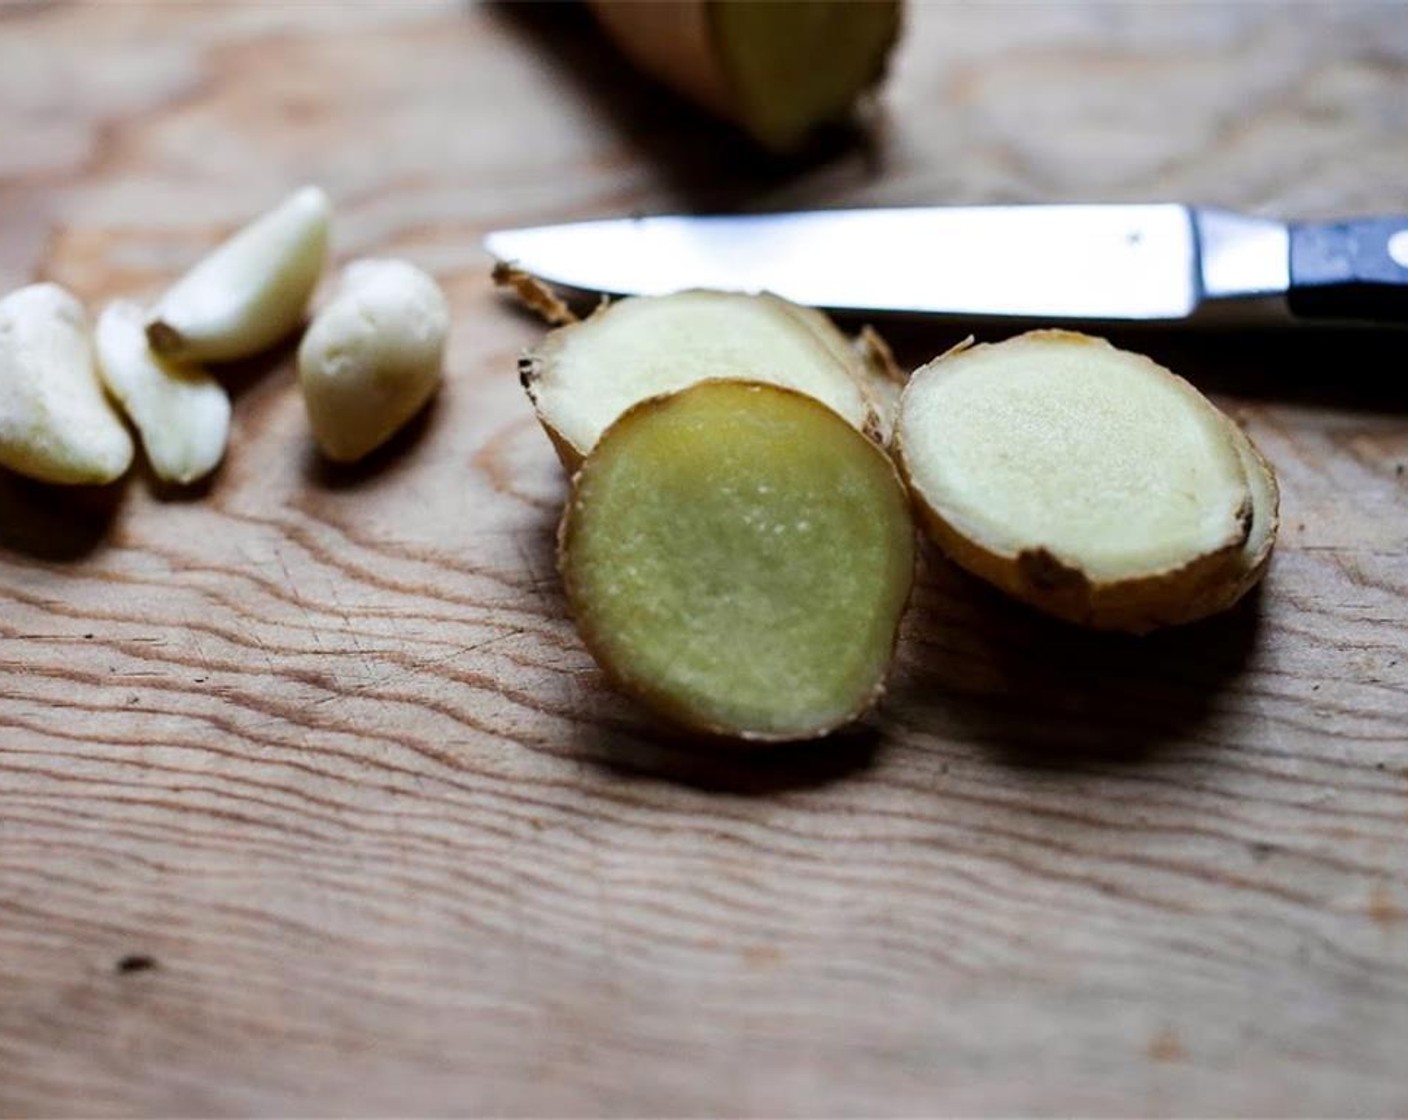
{"x": 311, "y": 802}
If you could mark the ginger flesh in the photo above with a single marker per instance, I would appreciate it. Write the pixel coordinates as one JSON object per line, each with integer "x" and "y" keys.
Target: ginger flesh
{"x": 738, "y": 558}
{"x": 1084, "y": 479}
{"x": 1261, "y": 537}
{"x": 583, "y": 376}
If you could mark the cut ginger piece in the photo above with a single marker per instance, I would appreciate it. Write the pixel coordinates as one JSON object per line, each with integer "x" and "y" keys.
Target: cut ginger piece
{"x": 1255, "y": 556}
{"x": 586, "y": 374}
{"x": 737, "y": 558}
{"x": 1087, "y": 481}
{"x": 778, "y": 69}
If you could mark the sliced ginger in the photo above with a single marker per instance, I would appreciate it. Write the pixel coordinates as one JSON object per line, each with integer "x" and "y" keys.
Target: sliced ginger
{"x": 737, "y": 557}
{"x": 868, "y": 358}
{"x": 1255, "y": 556}
{"x": 583, "y": 376}
{"x": 1085, "y": 480}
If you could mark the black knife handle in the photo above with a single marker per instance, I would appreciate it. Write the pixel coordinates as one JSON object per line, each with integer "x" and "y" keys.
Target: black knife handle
{"x": 1350, "y": 270}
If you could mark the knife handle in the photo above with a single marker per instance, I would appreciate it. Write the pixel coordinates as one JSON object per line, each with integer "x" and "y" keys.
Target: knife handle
{"x": 1350, "y": 270}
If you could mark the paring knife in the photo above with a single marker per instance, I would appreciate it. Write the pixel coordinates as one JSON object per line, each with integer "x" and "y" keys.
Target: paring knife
{"x": 1153, "y": 263}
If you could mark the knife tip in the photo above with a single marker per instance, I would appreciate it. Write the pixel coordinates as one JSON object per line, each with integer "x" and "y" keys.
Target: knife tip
{"x": 495, "y": 244}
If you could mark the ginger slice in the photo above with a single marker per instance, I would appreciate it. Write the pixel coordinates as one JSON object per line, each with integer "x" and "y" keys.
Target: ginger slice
{"x": 1084, "y": 480}
{"x": 584, "y": 375}
{"x": 1255, "y": 555}
{"x": 884, "y": 378}
{"x": 775, "y": 68}
{"x": 868, "y": 358}
{"x": 737, "y": 558}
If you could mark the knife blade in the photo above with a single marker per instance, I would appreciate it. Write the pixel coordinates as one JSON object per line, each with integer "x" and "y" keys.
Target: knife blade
{"x": 1155, "y": 263}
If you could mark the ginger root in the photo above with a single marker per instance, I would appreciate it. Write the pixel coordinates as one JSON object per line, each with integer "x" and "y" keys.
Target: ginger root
{"x": 775, "y": 68}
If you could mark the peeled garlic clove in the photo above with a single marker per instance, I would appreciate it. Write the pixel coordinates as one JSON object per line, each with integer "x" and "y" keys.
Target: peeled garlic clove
{"x": 182, "y": 413}
{"x": 55, "y": 423}
{"x": 251, "y": 291}
{"x": 372, "y": 357}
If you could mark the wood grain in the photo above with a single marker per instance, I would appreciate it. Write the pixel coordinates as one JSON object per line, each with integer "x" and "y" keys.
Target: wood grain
{"x": 311, "y": 802}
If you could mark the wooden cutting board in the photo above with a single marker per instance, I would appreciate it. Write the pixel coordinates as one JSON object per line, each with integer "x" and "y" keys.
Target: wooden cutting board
{"x": 312, "y": 803}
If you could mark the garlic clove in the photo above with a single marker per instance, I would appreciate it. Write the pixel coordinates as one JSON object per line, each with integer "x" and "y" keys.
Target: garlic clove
{"x": 249, "y": 292}
{"x": 373, "y": 356}
{"x": 55, "y": 423}
{"x": 181, "y": 412}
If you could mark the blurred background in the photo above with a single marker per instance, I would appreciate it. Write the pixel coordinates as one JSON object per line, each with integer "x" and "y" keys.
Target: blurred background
{"x": 132, "y": 128}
